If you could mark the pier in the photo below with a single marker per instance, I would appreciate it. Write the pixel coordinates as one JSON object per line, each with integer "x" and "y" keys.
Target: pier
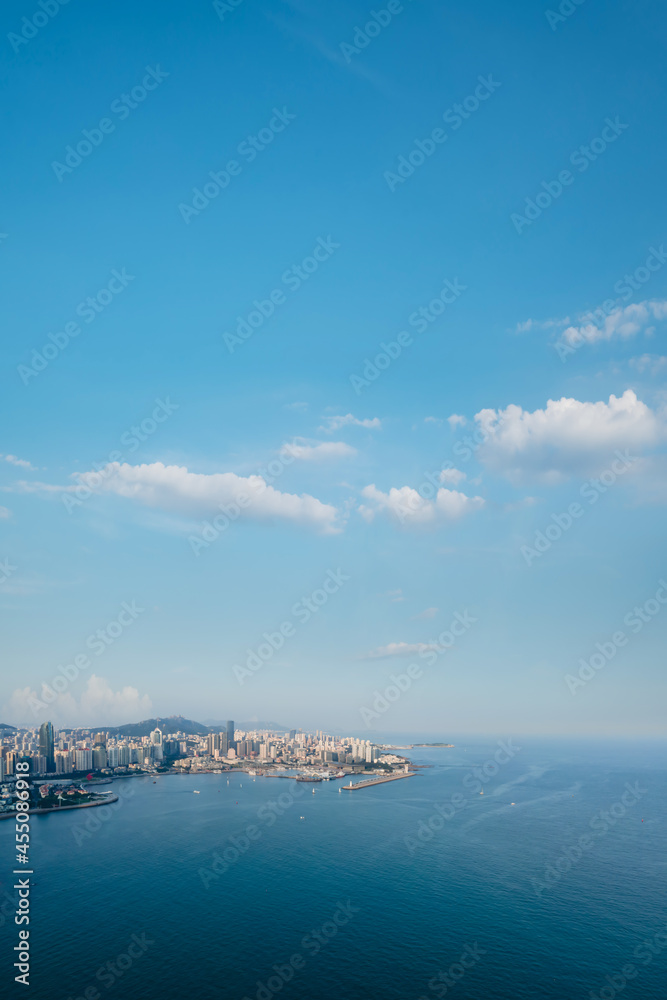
{"x": 377, "y": 781}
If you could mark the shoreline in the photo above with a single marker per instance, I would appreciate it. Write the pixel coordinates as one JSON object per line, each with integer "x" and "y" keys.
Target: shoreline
{"x": 56, "y": 809}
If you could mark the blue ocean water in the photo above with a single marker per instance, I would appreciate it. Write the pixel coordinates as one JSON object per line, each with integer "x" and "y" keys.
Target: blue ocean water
{"x": 373, "y": 893}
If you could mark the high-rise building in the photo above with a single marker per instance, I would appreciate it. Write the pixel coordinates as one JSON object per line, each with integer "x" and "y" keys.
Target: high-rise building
{"x": 156, "y": 736}
{"x": 230, "y": 732}
{"x": 83, "y": 760}
{"x": 100, "y": 739}
{"x": 46, "y": 745}
{"x": 99, "y": 758}
{"x": 64, "y": 762}
{"x": 292, "y": 733}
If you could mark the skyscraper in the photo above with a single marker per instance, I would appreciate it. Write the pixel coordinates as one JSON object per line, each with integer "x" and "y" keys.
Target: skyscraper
{"x": 230, "y": 732}
{"x": 46, "y": 745}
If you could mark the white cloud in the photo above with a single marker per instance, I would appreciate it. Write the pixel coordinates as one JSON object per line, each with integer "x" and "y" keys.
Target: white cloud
{"x": 320, "y": 451}
{"x": 425, "y": 615}
{"x": 99, "y": 704}
{"x": 335, "y": 423}
{"x": 405, "y": 505}
{"x": 545, "y": 324}
{"x": 174, "y": 489}
{"x": 624, "y": 322}
{"x": 397, "y": 649}
{"x": 455, "y": 420}
{"x": 433, "y": 420}
{"x": 568, "y": 437}
{"x": 21, "y": 462}
{"x": 5, "y": 512}
{"x": 453, "y": 476}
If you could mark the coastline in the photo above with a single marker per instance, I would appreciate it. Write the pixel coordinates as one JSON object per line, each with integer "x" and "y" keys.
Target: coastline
{"x": 56, "y": 809}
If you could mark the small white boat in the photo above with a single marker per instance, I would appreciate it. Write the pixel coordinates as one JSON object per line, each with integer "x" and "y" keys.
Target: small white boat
{"x": 195, "y": 791}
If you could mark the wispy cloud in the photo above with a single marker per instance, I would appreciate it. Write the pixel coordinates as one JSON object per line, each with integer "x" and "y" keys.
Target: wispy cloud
{"x": 335, "y": 423}
{"x": 318, "y": 452}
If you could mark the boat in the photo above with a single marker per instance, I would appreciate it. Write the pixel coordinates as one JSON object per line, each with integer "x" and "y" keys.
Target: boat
{"x": 313, "y": 791}
{"x": 195, "y": 792}
{"x": 302, "y": 817}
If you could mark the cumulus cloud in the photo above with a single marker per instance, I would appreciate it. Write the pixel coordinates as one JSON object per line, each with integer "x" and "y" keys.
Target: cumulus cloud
{"x": 318, "y": 452}
{"x": 99, "y": 704}
{"x": 335, "y": 423}
{"x": 567, "y": 437}
{"x": 405, "y": 505}
{"x": 174, "y": 489}
{"x": 455, "y": 420}
{"x": 397, "y": 649}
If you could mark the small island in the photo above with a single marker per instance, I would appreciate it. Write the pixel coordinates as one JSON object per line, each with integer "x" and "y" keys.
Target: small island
{"x": 447, "y": 746}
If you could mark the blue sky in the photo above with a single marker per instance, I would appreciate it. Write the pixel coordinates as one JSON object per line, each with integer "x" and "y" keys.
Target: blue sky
{"x": 540, "y": 351}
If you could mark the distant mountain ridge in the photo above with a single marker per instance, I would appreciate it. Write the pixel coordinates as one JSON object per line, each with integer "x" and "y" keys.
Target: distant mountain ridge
{"x": 179, "y": 724}
{"x": 172, "y": 724}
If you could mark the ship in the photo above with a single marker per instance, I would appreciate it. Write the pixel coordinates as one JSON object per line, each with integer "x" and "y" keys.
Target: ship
{"x": 308, "y": 777}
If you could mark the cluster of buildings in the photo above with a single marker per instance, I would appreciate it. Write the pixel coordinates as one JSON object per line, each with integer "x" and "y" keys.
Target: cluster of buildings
{"x": 77, "y": 751}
